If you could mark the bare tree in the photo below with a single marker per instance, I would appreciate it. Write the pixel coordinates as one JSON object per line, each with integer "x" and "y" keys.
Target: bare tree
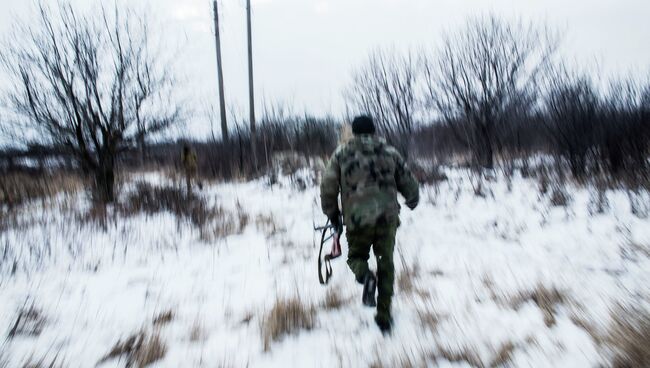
{"x": 386, "y": 88}
{"x": 90, "y": 82}
{"x": 573, "y": 108}
{"x": 483, "y": 79}
{"x": 624, "y": 139}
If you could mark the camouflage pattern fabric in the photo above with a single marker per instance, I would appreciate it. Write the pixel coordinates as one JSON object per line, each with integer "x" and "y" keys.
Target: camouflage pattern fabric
{"x": 382, "y": 239}
{"x": 368, "y": 173}
{"x": 189, "y": 162}
{"x": 190, "y": 166}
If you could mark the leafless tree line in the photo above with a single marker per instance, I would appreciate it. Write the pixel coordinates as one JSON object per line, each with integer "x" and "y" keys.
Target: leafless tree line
{"x": 496, "y": 88}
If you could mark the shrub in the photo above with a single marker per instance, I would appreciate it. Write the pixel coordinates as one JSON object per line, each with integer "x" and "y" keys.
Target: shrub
{"x": 287, "y": 317}
{"x": 629, "y": 337}
{"x": 140, "y": 349}
{"x": 20, "y": 187}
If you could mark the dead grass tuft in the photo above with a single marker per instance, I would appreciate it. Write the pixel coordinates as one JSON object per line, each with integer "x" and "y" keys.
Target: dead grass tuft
{"x": 503, "y": 355}
{"x": 197, "y": 333}
{"x": 629, "y": 337}
{"x": 406, "y": 278}
{"x": 30, "y": 322}
{"x": 544, "y": 297}
{"x": 140, "y": 349}
{"x": 247, "y": 318}
{"x": 267, "y": 225}
{"x": 163, "y": 318}
{"x": 463, "y": 355}
{"x": 43, "y": 362}
{"x": 333, "y": 299}
{"x": 560, "y": 197}
{"x": 407, "y": 357}
{"x": 287, "y": 317}
{"x": 19, "y": 188}
{"x": 429, "y": 317}
{"x": 242, "y": 218}
{"x": 212, "y": 221}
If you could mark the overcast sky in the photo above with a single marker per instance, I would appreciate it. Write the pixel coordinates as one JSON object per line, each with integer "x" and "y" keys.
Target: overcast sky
{"x": 305, "y": 50}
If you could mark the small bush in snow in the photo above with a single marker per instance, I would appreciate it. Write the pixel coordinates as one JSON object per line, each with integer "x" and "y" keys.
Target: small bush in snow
{"x": 333, "y": 299}
{"x": 406, "y": 278}
{"x": 503, "y": 356}
{"x": 30, "y": 321}
{"x": 560, "y": 197}
{"x": 140, "y": 349}
{"x": 163, "y": 318}
{"x": 428, "y": 316}
{"x": 639, "y": 203}
{"x": 429, "y": 174}
{"x": 460, "y": 355}
{"x": 43, "y": 362}
{"x": 629, "y": 337}
{"x": 19, "y": 188}
{"x": 267, "y": 225}
{"x": 544, "y": 297}
{"x": 212, "y": 221}
{"x": 287, "y": 317}
{"x": 598, "y": 202}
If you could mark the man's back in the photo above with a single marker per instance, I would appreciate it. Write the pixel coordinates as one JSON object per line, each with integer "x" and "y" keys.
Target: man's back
{"x": 368, "y": 173}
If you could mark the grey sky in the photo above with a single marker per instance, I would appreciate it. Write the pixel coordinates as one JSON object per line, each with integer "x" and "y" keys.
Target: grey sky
{"x": 305, "y": 50}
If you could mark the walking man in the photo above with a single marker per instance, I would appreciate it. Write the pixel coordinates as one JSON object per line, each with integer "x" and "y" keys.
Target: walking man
{"x": 189, "y": 162}
{"x": 368, "y": 173}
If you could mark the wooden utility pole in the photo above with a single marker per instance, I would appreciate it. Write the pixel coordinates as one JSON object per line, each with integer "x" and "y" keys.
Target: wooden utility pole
{"x": 222, "y": 98}
{"x": 250, "y": 85}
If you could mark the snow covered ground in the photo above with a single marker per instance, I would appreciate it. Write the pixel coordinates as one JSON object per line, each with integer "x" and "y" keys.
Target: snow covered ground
{"x": 504, "y": 279}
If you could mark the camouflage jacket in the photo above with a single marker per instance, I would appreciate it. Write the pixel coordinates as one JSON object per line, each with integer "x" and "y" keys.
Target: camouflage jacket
{"x": 189, "y": 161}
{"x": 368, "y": 173}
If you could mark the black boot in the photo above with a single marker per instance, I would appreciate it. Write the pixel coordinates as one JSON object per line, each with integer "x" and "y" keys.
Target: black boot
{"x": 385, "y": 324}
{"x": 369, "y": 288}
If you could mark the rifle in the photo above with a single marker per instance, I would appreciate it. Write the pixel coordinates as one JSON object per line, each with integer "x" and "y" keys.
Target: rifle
{"x": 335, "y": 252}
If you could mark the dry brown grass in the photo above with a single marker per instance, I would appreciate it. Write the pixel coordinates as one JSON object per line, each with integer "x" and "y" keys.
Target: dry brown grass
{"x": 212, "y": 221}
{"x": 19, "y": 188}
{"x": 628, "y": 337}
{"x": 140, "y": 349}
{"x": 43, "y": 362}
{"x": 333, "y": 299}
{"x": 242, "y": 218}
{"x": 247, "y": 318}
{"x": 503, "y": 355}
{"x": 560, "y": 197}
{"x": 197, "y": 332}
{"x": 407, "y": 357}
{"x": 267, "y": 225}
{"x": 30, "y": 322}
{"x": 544, "y": 297}
{"x": 462, "y": 355}
{"x": 429, "y": 317}
{"x": 406, "y": 278}
{"x": 589, "y": 327}
{"x": 401, "y": 361}
{"x": 286, "y": 317}
{"x": 163, "y": 318}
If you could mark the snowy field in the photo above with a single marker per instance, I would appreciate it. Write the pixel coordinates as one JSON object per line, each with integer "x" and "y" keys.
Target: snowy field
{"x": 504, "y": 279}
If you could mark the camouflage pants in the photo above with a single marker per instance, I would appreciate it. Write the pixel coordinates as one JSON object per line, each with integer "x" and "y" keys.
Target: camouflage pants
{"x": 382, "y": 239}
{"x": 189, "y": 178}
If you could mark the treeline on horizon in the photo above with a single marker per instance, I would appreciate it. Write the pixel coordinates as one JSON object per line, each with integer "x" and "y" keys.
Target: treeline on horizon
{"x": 493, "y": 93}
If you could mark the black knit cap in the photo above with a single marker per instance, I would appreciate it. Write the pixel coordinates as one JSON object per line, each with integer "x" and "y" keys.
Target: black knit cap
{"x": 363, "y": 125}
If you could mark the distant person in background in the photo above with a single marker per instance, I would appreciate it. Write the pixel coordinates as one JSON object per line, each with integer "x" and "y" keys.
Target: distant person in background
{"x": 368, "y": 173}
{"x": 189, "y": 162}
